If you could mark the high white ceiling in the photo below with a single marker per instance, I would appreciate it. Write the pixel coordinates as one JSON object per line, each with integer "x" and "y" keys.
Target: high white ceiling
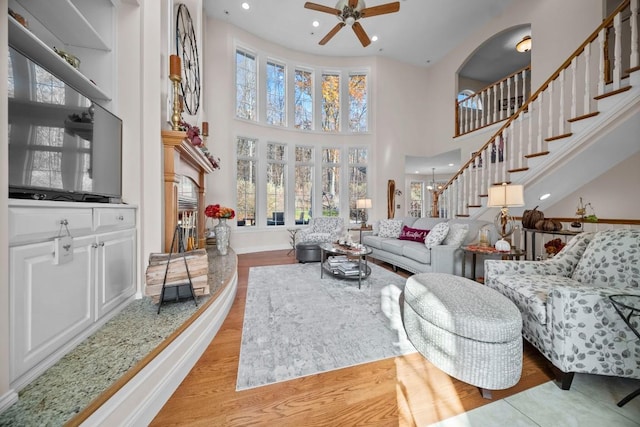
{"x": 421, "y": 33}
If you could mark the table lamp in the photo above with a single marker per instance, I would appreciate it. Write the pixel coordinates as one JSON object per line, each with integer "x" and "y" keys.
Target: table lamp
{"x": 505, "y": 196}
{"x": 363, "y": 204}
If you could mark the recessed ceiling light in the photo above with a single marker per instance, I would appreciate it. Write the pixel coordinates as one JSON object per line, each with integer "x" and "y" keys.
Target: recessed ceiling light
{"x": 315, "y": 23}
{"x": 545, "y": 196}
{"x": 417, "y": 171}
{"x": 245, "y": 6}
{"x": 374, "y": 38}
{"x": 450, "y": 164}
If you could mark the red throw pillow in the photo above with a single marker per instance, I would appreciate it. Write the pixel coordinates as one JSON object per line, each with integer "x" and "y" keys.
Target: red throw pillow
{"x": 413, "y": 234}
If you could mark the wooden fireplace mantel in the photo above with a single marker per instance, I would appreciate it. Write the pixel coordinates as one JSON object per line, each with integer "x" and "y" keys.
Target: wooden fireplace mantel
{"x": 182, "y": 159}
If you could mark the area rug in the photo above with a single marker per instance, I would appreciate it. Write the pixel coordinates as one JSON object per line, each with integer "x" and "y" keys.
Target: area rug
{"x": 297, "y": 324}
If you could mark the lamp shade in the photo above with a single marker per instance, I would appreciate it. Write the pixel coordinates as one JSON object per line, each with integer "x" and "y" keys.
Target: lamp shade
{"x": 505, "y": 195}
{"x": 363, "y": 204}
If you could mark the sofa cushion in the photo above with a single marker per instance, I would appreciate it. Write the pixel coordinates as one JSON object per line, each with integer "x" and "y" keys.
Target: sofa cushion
{"x": 373, "y": 241}
{"x": 413, "y": 234}
{"x": 612, "y": 258}
{"x": 390, "y": 228}
{"x": 530, "y": 291}
{"x": 417, "y": 251}
{"x": 456, "y": 235}
{"x": 394, "y": 246}
{"x": 437, "y": 235}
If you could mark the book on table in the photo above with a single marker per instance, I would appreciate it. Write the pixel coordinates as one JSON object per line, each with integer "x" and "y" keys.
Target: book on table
{"x": 349, "y": 268}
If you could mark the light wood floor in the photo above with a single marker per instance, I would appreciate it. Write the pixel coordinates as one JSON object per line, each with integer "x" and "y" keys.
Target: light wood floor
{"x": 401, "y": 391}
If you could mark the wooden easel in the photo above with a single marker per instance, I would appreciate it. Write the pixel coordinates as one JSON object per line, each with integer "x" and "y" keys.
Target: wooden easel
{"x": 177, "y": 235}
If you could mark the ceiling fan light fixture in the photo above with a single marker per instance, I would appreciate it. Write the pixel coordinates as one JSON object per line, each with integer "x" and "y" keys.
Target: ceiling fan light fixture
{"x": 524, "y": 45}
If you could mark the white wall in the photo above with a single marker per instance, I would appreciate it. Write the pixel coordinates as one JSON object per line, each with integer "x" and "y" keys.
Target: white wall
{"x": 613, "y": 195}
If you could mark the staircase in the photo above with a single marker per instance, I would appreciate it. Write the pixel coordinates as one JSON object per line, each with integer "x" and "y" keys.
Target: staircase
{"x": 580, "y": 123}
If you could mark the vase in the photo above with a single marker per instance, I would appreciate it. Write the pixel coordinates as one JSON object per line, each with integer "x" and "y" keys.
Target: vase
{"x": 223, "y": 232}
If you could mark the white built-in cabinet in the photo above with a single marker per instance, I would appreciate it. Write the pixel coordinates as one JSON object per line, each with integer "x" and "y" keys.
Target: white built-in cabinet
{"x": 84, "y": 28}
{"x": 53, "y": 306}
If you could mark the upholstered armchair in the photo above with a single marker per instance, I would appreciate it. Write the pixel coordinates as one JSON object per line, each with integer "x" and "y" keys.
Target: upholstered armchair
{"x": 565, "y": 306}
{"x": 322, "y": 229}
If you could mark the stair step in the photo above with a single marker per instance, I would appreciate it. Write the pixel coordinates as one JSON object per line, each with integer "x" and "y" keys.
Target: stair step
{"x": 555, "y": 138}
{"x": 474, "y": 206}
{"x": 483, "y": 195}
{"x": 613, "y": 92}
{"x": 585, "y": 116}
{"x": 462, "y": 215}
{"x": 531, "y": 156}
{"x": 517, "y": 170}
{"x": 632, "y": 69}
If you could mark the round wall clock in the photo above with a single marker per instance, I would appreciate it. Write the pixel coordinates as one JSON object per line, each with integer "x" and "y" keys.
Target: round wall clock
{"x": 187, "y": 50}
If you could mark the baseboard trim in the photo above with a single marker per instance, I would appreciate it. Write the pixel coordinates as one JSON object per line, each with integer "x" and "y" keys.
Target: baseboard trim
{"x": 8, "y": 399}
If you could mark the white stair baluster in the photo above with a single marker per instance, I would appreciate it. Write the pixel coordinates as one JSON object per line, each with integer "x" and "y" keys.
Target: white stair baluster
{"x": 617, "y": 51}
{"x": 587, "y": 79}
{"x": 634, "y": 60}
{"x": 601, "y": 82}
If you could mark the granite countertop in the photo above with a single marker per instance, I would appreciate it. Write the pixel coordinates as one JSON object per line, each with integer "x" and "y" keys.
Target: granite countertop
{"x": 84, "y": 373}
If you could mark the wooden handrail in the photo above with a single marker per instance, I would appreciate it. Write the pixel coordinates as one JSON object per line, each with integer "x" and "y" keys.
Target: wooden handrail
{"x": 528, "y": 67}
{"x": 525, "y": 106}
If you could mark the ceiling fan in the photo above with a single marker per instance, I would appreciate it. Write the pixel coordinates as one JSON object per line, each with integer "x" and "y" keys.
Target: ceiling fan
{"x": 348, "y": 12}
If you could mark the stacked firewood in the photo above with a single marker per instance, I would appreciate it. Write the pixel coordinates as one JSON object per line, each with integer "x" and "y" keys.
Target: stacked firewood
{"x": 197, "y": 262}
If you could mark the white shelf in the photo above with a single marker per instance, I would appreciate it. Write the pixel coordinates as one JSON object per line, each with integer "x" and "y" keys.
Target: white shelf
{"x": 65, "y": 22}
{"x": 27, "y": 43}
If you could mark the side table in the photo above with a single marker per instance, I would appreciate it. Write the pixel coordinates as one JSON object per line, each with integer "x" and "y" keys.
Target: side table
{"x": 361, "y": 229}
{"x": 628, "y": 306}
{"x": 487, "y": 251}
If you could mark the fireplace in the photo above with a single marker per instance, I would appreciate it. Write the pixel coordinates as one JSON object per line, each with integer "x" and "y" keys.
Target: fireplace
{"x": 185, "y": 168}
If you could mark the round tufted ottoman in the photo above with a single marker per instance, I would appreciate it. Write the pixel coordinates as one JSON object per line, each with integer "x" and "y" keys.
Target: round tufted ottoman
{"x": 466, "y": 329}
{"x": 307, "y": 252}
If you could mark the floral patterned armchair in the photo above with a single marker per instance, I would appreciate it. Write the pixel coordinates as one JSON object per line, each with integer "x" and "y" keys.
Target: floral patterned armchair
{"x": 322, "y": 229}
{"x": 564, "y": 302}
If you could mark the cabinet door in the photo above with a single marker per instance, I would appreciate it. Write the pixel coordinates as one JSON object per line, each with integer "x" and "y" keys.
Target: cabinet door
{"x": 115, "y": 269}
{"x": 49, "y": 304}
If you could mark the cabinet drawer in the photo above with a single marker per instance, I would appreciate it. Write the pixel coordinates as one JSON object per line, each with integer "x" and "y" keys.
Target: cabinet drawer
{"x": 30, "y": 225}
{"x": 113, "y": 218}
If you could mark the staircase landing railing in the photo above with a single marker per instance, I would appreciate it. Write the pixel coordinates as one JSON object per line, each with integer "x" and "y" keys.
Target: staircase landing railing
{"x": 568, "y": 95}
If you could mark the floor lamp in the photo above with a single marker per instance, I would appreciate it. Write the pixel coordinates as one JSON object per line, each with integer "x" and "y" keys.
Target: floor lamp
{"x": 505, "y": 196}
{"x": 363, "y": 204}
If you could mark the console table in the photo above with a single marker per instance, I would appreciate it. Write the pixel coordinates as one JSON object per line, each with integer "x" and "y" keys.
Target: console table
{"x": 533, "y": 233}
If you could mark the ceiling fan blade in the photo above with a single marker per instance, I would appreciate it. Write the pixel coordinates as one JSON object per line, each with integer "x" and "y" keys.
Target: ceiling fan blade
{"x": 321, "y": 8}
{"x": 380, "y": 10}
{"x": 353, "y": 3}
{"x": 332, "y": 33}
{"x": 362, "y": 35}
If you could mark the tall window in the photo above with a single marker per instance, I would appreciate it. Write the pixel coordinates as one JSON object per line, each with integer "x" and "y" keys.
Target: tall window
{"x": 276, "y": 106}
{"x": 276, "y": 179}
{"x": 416, "y": 198}
{"x": 247, "y": 162}
{"x": 331, "y": 102}
{"x": 358, "y": 103}
{"x": 358, "y": 159}
{"x": 10, "y": 87}
{"x": 48, "y": 88}
{"x": 303, "y": 94}
{"x": 303, "y": 184}
{"x": 467, "y": 102}
{"x": 330, "y": 182}
{"x": 246, "y": 86}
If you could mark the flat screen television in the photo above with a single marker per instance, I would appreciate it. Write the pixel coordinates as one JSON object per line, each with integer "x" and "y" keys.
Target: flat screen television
{"x": 62, "y": 145}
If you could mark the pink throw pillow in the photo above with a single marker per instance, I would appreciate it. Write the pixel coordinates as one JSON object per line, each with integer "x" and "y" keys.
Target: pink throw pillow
{"x": 413, "y": 234}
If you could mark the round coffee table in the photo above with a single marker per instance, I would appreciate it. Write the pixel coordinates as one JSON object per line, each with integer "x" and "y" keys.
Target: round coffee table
{"x": 349, "y": 268}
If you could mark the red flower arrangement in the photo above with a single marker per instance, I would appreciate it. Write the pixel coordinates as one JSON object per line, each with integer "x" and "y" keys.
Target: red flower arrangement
{"x": 217, "y": 211}
{"x": 193, "y": 135}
